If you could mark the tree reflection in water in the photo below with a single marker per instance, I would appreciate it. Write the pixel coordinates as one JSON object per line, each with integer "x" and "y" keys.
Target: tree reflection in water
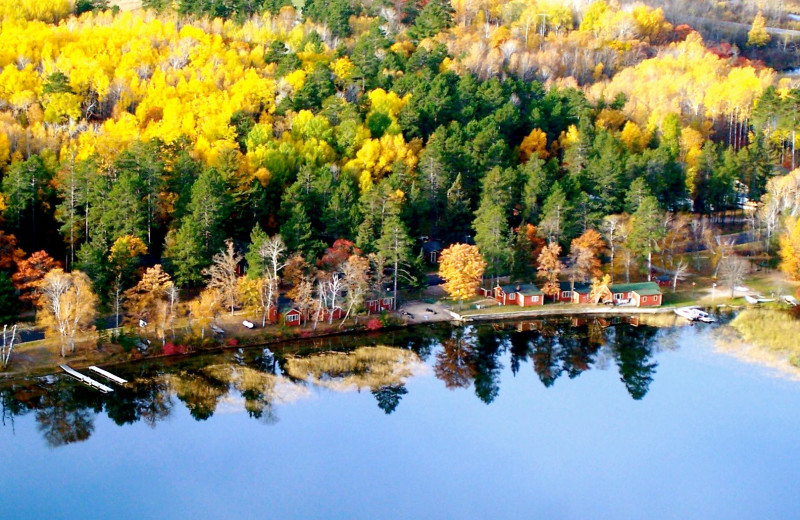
{"x": 260, "y": 380}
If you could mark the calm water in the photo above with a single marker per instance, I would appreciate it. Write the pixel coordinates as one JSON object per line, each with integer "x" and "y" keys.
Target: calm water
{"x": 593, "y": 421}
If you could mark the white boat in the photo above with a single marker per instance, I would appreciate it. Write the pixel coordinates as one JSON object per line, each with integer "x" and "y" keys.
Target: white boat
{"x": 695, "y": 314}
{"x": 749, "y": 299}
{"x": 791, "y": 300}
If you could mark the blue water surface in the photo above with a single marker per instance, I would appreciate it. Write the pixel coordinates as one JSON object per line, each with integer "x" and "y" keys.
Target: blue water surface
{"x": 713, "y": 438}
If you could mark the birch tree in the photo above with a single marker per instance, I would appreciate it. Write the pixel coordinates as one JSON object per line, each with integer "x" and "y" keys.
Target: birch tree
{"x": 67, "y": 307}
{"x": 266, "y": 259}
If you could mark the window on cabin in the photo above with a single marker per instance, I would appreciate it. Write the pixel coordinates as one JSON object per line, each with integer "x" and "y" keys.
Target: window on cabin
{"x": 565, "y": 294}
{"x": 536, "y": 298}
{"x": 644, "y": 298}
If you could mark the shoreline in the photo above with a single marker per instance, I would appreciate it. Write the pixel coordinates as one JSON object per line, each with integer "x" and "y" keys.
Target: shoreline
{"x": 103, "y": 357}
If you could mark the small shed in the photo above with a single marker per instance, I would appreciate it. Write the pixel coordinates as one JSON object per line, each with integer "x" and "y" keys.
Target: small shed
{"x": 292, "y": 317}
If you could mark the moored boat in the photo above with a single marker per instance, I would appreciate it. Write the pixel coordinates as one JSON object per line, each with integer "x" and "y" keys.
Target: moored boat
{"x": 695, "y": 314}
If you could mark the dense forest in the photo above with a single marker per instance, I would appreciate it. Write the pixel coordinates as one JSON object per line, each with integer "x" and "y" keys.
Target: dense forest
{"x": 188, "y": 141}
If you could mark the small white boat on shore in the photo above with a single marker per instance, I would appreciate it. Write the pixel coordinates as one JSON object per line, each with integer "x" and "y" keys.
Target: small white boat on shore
{"x": 695, "y": 314}
{"x": 791, "y": 300}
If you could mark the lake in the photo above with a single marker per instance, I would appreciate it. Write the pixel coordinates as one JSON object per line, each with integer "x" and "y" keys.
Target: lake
{"x": 539, "y": 419}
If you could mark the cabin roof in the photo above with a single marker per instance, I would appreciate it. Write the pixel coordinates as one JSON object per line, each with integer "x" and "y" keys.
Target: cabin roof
{"x": 580, "y": 287}
{"x": 642, "y": 288}
{"x": 526, "y": 289}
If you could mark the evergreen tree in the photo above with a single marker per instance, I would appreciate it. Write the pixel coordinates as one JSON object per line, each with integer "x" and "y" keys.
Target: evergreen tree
{"x": 436, "y": 16}
{"x": 491, "y": 237}
{"x": 208, "y": 210}
{"x": 185, "y": 254}
{"x": 647, "y": 228}
{"x": 557, "y": 222}
{"x": 298, "y": 233}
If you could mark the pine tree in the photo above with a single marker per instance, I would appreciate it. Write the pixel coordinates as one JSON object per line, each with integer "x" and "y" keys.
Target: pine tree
{"x": 647, "y": 228}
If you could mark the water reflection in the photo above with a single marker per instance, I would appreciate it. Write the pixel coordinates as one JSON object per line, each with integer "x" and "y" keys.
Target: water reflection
{"x": 258, "y": 381}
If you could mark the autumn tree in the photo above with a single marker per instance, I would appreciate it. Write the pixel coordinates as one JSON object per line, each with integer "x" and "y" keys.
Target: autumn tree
{"x": 598, "y": 287}
{"x": 550, "y": 268}
{"x": 154, "y": 299}
{"x": 30, "y": 272}
{"x": 584, "y": 253}
{"x": 10, "y": 254}
{"x": 758, "y": 36}
{"x": 790, "y": 249}
{"x": 67, "y": 307}
{"x": 223, "y": 277}
{"x": 123, "y": 260}
{"x": 461, "y": 266}
{"x": 204, "y": 308}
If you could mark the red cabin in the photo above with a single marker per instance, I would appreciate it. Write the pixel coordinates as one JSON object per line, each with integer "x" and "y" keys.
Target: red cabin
{"x": 525, "y": 295}
{"x": 379, "y": 304}
{"x": 573, "y": 292}
{"x": 293, "y": 317}
{"x": 643, "y": 294}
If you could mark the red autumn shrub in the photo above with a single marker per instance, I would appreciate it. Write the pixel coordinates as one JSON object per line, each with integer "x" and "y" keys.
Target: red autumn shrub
{"x": 374, "y": 324}
{"x": 171, "y": 349}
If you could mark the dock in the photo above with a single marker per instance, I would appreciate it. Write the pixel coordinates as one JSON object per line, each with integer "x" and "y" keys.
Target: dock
{"x": 108, "y": 375}
{"x": 86, "y": 380}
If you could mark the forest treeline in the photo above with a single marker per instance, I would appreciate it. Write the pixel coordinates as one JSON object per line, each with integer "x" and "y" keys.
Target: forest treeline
{"x": 136, "y": 139}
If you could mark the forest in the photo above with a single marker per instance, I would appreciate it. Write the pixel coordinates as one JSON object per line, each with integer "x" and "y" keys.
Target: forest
{"x": 230, "y": 155}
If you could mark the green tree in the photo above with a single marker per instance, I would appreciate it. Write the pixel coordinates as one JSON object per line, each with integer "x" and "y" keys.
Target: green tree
{"x": 208, "y": 210}
{"x": 24, "y": 185}
{"x": 491, "y": 236}
{"x": 557, "y": 221}
{"x": 185, "y": 255}
{"x": 436, "y": 16}
{"x": 9, "y": 303}
{"x": 298, "y": 233}
{"x": 647, "y": 230}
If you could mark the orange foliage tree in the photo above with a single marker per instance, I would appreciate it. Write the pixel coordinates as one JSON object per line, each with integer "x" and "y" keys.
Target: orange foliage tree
{"x": 550, "y": 268}
{"x": 30, "y": 273}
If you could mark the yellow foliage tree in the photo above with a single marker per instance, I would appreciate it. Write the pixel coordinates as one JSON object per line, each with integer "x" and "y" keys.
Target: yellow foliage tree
{"x": 758, "y": 36}
{"x": 204, "y": 308}
{"x": 790, "y": 249}
{"x": 533, "y": 143}
{"x": 462, "y": 267}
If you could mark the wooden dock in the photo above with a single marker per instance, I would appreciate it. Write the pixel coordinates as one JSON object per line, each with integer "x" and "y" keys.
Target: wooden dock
{"x": 108, "y": 375}
{"x": 86, "y": 380}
